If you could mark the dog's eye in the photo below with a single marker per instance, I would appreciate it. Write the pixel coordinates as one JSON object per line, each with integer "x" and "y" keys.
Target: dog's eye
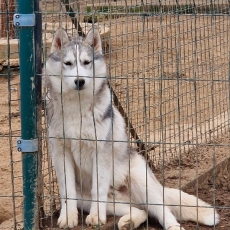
{"x": 68, "y": 63}
{"x": 86, "y": 62}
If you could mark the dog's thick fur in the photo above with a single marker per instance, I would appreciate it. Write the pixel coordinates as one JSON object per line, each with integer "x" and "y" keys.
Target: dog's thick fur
{"x": 88, "y": 145}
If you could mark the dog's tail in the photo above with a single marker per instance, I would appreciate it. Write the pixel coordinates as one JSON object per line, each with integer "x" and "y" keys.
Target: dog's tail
{"x": 187, "y": 207}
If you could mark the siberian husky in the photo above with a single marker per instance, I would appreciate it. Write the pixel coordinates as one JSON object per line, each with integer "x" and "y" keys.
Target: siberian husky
{"x": 96, "y": 169}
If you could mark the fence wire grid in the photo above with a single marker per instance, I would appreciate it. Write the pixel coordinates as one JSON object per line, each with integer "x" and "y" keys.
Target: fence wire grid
{"x": 168, "y": 65}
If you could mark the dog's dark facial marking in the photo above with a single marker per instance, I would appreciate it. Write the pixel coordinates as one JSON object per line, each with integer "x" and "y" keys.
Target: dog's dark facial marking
{"x": 101, "y": 89}
{"x": 108, "y": 113}
{"x": 98, "y": 56}
{"x": 55, "y": 57}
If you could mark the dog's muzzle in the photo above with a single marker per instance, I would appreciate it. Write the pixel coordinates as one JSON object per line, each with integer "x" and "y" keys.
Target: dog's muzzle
{"x": 79, "y": 83}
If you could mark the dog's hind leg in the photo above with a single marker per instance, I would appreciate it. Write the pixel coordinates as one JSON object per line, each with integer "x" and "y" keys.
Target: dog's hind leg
{"x": 131, "y": 217}
{"x": 145, "y": 188}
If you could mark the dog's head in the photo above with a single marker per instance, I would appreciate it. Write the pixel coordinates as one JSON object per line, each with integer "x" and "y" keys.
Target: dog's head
{"x": 75, "y": 63}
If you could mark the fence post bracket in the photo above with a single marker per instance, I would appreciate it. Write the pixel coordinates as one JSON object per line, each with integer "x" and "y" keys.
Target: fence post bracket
{"x": 24, "y": 20}
{"x": 27, "y": 146}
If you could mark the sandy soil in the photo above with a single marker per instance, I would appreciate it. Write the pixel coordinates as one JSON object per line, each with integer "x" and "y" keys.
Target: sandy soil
{"x": 171, "y": 74}
{"x": 10, "y": 159}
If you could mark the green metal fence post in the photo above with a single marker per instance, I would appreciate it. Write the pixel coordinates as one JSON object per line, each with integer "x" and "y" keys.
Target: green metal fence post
{"x": 28, "y": 142}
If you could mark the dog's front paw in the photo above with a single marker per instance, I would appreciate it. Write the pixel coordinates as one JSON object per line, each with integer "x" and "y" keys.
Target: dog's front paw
{"x": 68, "y": 218}
{"x": 94, "y": 219}
{"x": 177, "y": 227}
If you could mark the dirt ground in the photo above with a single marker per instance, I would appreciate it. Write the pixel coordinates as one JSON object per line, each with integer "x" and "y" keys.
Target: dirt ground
{"x": 10, "y": 159}
{"x": 163, "y": 97}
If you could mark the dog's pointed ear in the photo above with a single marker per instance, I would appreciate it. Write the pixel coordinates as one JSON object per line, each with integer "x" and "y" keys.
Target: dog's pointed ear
{"x": 93, "y": 38}
{"x": 60, "y": 39}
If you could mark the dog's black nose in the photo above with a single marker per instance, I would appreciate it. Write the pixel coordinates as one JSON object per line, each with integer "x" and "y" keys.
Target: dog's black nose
{"x": 79, "y": 83}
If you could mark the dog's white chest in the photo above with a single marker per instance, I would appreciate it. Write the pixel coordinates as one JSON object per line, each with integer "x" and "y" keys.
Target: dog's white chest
{"x": 79, "y": 125}
{"x": 84, "y": 130}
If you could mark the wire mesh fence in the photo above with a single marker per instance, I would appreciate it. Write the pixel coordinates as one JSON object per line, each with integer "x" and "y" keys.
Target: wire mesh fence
{"x": 168, "y": 65}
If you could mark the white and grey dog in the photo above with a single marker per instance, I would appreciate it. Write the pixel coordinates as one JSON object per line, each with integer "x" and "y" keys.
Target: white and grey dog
{"x": 96, "y": 169}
